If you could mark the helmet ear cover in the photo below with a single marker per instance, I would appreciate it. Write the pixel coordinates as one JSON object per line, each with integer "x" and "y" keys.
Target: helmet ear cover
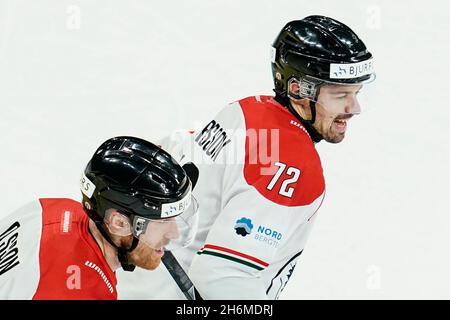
{"x": 307, "y": 88}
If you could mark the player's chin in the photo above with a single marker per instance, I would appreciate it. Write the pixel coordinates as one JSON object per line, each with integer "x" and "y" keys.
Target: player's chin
{"x": 146, "y": 258}
{"x": 334, "y": 138}
{"x": 151, "y": 264}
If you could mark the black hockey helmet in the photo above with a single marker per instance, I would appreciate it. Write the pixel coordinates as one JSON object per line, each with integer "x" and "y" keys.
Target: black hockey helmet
{"x": 134, "y": 176}
{"x": 143, "y": 182}
{"x": 318, "y": 50}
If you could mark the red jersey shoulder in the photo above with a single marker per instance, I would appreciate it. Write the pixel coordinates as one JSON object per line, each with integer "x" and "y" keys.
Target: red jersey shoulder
{"x": 281, "y": 161}
{"x": 54, "y": 210}
{"x": 69, "y": 253}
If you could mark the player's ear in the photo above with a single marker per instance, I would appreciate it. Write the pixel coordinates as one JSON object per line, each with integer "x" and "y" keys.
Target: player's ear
{"x": 117, "y": 223}
{"x": 294, "y": 88}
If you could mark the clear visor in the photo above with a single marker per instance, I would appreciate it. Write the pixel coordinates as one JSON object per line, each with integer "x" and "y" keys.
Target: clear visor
{"x": 334, "y": 99}
{"x": 169, "y": 233}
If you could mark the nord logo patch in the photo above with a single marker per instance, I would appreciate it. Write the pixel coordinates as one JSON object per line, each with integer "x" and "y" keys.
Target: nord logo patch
{"x": 264, "y": 235}
{"x": 268, "y": 236}
{"x": 270, "y": 232}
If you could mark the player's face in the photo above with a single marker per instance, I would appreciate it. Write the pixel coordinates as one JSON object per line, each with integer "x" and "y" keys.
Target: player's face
{"x": 150, "y": 249}
{"x": 335, "y": 106}
{"x": 154, "y": 238}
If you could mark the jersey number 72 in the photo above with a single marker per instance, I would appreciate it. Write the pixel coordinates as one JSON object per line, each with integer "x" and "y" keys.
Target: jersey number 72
{"x": 292, "y": 172}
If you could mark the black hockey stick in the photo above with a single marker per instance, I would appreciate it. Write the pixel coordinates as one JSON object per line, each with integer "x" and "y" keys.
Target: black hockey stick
{"x": 180, "y": 276}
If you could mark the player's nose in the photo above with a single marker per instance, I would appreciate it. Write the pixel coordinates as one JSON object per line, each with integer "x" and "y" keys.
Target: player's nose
{"x": 353, "y": 107}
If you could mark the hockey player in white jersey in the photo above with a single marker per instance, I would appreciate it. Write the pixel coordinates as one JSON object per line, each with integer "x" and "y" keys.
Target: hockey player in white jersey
{"x": 261, "y": 181}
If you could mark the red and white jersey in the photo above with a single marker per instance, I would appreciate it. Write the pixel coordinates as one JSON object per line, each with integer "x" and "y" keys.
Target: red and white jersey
{"x": 260, "y": 185}
{"x": 47, "y": 252}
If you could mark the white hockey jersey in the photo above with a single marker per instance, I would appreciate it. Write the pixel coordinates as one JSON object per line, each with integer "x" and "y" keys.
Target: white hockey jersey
{"x": 260, "y": 185}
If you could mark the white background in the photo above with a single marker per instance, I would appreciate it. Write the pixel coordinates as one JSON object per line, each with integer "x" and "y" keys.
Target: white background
{"x": 74, "y": 73}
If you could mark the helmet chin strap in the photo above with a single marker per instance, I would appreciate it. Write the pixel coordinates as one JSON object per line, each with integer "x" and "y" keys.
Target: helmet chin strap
{"x": 122, "y": 253}
{"x": 308, "y": 124}
{"x": 123, "y": 258}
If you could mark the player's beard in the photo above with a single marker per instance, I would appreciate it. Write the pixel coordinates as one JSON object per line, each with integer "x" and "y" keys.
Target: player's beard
{"x": 144, "y": 257}
{"x": 333, "y": 130}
